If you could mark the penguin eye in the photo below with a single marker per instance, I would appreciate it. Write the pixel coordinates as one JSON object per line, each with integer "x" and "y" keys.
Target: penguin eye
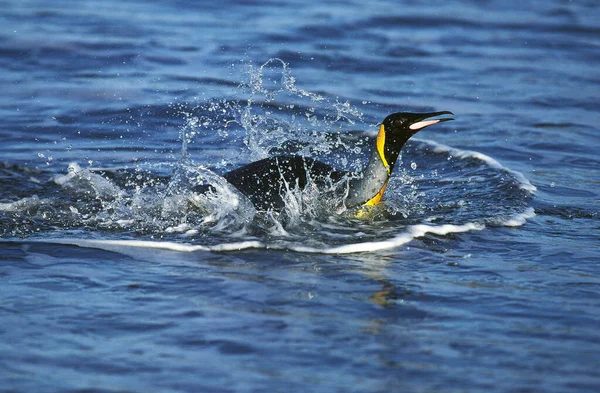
{"x": 399, "y": 122}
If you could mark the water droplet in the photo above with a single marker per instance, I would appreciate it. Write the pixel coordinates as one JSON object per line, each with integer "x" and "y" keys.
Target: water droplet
{"x": 413, "y": 165}
{"x": 552, "y": 184}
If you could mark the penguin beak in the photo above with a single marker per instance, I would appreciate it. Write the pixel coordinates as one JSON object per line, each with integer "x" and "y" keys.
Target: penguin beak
{"x": 422, "y": 120}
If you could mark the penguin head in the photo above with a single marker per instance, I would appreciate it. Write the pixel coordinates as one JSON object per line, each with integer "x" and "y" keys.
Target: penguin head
{"x": 397, "y": 128}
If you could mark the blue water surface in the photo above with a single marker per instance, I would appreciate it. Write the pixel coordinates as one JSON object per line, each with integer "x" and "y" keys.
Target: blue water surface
{"x": 111, "y": 109}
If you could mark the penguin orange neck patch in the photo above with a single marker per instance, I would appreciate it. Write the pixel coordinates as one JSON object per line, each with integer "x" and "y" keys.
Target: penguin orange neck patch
{"x": 380, "y": 148}
{"x": 375, "y": 200}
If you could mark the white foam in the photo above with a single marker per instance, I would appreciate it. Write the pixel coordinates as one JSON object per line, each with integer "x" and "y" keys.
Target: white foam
{"x": 524, "y": 183}
{"x": 82, "y": 179}
{"x": 7, "y": 207}
{"x": 519, "y": 219}
{"x": 117, "y": 245}
{"x": 22, "y": 204}
{"x": 123, "y": 245}
{"x": 181, "y": 228}
{"x": 238, "y": 246}
{"x": 413, "y": 232}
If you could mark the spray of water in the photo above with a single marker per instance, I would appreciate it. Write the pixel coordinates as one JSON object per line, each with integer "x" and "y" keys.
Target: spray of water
{"x": 271, "y": 115}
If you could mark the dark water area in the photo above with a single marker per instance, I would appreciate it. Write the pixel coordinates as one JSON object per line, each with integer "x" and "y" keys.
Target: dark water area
{"x": 479, "y": 272}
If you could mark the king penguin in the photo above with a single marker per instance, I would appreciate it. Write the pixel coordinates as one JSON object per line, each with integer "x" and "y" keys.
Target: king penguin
{"x": 265, "y": 182}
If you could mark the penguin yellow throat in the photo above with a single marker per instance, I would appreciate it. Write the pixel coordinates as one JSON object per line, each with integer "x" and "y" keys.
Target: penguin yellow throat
{"x": 380, "y": 144}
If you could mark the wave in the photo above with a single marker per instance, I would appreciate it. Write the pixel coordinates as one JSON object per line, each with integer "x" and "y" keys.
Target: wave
{"x": 412, "y": 232}
{"x": 159, "y": 210}
{"x": 524, "y": 183}
{"x": 194, "y": 209}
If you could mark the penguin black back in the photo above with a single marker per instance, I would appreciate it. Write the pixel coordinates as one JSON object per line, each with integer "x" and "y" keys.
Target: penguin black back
{"x": 265, "y": 182}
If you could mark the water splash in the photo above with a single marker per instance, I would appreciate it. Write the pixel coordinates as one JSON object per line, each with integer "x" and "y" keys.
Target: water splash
{"x": 280, "y": 117}
{"x": 444, "y": 191}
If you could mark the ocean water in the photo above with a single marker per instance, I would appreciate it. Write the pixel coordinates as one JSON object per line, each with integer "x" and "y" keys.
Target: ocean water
{"x": 479, "y": 272}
